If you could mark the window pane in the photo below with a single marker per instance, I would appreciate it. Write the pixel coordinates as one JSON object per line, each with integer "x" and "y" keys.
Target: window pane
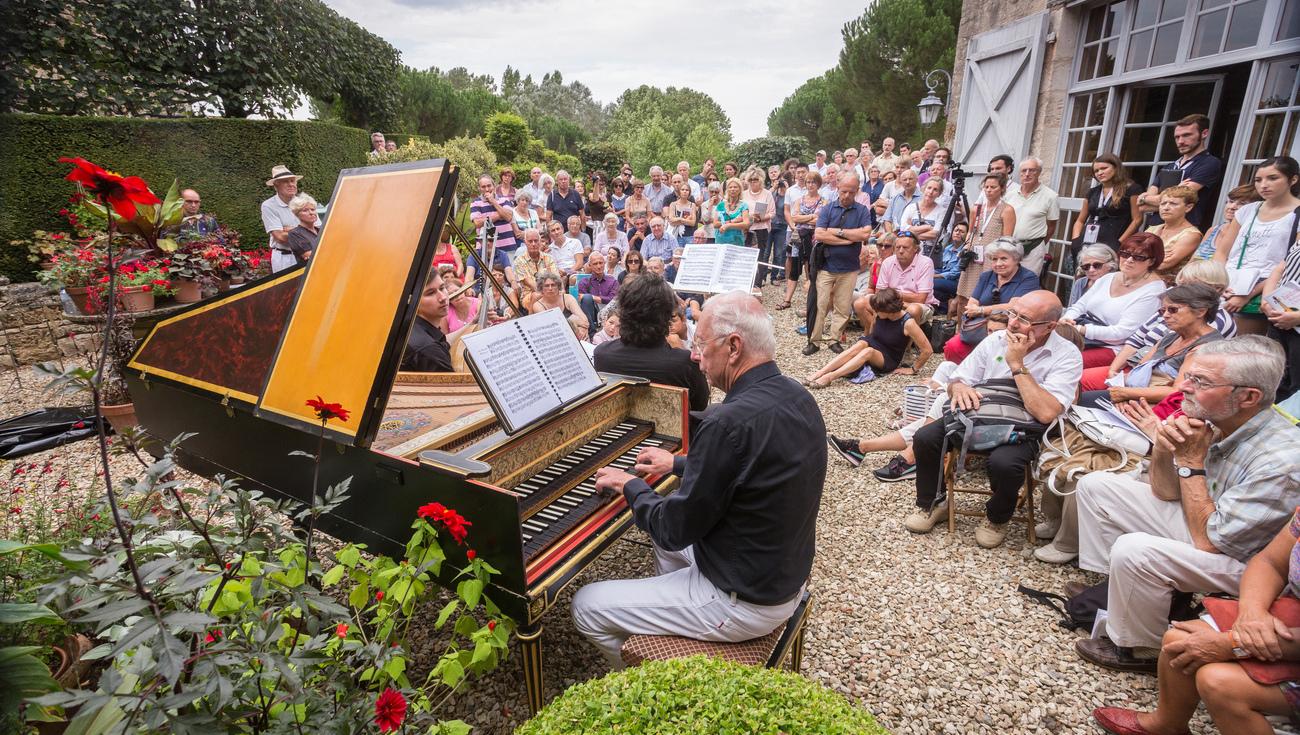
{"x": 1288, "y": 138}
{"x": 1173, "y": 9}
{"x": 1106, "y": 65}
{"x": 1097, "y": 109}
{"x": 1139, "y": 51}
{"x": 1166, "y": 44}
{"x": 1190, "y": 99}
{"x": 1096, "y": 19}
{"x": 1264, "y": 136}
{"x": 1279, "y": 85}
{"x": 1091, "y": 144}
{"x": 1147, "y": 104}
{"x": 1088, "y": 64}
{"x": 1145, "y": 13}
{"x": 1140, "y": 143}
{"x": 1112, "y": 19}
{"x": 1073, "y": 144}
{"x": 1243, "y": 31}
{"x": 1209, "y": 33}
{"x": 1290, "y": 26}
{"x": 1140, "y": 174}
{"x": 1207, "y": 4}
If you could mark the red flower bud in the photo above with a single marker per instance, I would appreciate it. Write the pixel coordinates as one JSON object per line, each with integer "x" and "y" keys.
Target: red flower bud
{"x": 471, "y": 554}
{"x": 492, "y": 625}
{"x": 341, "y": 630}
{"x": 379, "y": 595}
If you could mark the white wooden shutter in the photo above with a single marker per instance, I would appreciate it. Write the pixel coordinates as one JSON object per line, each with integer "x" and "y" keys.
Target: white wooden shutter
{"x": 999, "y": 91}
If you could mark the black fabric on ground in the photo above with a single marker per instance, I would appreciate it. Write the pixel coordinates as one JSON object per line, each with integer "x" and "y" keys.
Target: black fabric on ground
{"x": 45, "y": 429}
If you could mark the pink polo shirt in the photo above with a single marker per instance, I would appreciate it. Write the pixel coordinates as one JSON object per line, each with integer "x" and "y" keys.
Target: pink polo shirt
{"x": 918, "y": 277}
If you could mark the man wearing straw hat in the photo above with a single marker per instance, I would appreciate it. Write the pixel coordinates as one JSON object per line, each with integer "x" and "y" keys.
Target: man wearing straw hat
{"x": 278, "y": 219}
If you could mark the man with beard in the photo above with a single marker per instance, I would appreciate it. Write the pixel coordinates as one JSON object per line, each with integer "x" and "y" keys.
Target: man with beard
{"x": 1224, "y": 479}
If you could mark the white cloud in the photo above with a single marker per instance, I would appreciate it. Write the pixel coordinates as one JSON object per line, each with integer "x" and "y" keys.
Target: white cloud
{"x": 746, "y": 56}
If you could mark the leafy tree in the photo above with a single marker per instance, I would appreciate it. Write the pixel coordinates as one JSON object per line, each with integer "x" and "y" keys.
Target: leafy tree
{"x": 676, "y": 111}
{"x": 553, "y": 98}
{"x": 770, "y": 150}
{"x": 507, "y": 134}
{"x": 558, "y": 133}
{"x": 811, "y": 113}
{"x": 653, "y": 146}
{"x": 602, "y": 156}
{"x": 702, "y": 143}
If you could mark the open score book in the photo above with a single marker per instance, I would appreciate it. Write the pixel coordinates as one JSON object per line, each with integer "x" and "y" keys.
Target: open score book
{"x": 530, "y": 367}
{"x": 716, "y": 268}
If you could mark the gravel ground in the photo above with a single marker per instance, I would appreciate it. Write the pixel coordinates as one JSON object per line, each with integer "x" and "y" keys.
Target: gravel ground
{"x": 926, "y": 632}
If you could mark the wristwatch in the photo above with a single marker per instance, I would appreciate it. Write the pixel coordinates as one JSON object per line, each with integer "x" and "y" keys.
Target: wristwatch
{"x": 1185, "y": 472}
{"x": 839, "y": 232}
{"x": 1019, "y": 371}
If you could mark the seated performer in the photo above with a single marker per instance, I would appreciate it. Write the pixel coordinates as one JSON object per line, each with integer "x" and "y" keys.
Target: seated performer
{"x": 734, "y": 545}
{"x": 427, "y": 349}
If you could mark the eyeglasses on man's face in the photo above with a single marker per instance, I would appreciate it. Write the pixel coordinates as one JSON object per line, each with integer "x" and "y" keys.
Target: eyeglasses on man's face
{"x": 1015, "y": 316}
{"x": 1200, "y": 383}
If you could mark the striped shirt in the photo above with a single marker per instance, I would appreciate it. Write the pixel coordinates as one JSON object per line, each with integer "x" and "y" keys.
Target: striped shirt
{"x": 1253, "y": 477}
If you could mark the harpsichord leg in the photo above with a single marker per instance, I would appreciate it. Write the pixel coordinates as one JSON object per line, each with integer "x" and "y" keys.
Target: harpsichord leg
{"x": 530, "y": 648}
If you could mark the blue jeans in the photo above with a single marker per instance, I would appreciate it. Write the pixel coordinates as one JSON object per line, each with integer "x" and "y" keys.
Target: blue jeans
{"x": 587, "y": 303}
{"x": 780, "y": 234}
{"x": 760, "y": 240}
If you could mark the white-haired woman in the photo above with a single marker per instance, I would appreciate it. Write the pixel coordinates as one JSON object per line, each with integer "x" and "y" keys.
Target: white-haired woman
{"x": 301, "y": 240}
{"x": 1006, "y": 279}
{"x": 543, "y": 199}
{"x": 1095, "y": 261}
{"x": 525, "y": 217}
{"x": 609, "y": 236}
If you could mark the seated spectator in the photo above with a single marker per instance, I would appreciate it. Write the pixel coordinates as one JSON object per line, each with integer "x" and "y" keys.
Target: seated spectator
{"x": 645, "y": 309}
{"x": 609, "y": 236}
{"x": 1179, "y": 236}
{"x": 993, "y": 291}
{"x": 1045, "y": 370}
{"x": 446, "y": 254}
{"x": 528, "y": 265}
{"x": 463, "y": 308}
{"x": 633, "y": 264}
{"x": 551, "y": 295}
{"x": 608, "y": 330}
{"x": 911, "y": 276}
{"x": 655, "y": 265}
{"x": 681, "y": 330}
{"x": 301, "y": 240}
{"x": 638, "y": 232}
{"x": 945, "y": 279}
{"x": 891, "y": 334}
{"x": 567, "y": 252}
{"x": 1224, "y": 479}
{"x": 1188, "y": 315}
{"x": 1109, "y": 312}
{"x": 576, "y": 232}
{"x": 1095, "y": 261}
{"x": 670, "y": 270}
{"x": 496, "y": 303}
{"x": 660, "y": 243}
{"x": 597, "y": 289}
{"x": 1237, "y": 198}
{"x": 614, "y": 262}
{"x": 1198, "y": 662}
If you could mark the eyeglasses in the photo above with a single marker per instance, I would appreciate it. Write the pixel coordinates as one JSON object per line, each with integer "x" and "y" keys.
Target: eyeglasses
{"x": 1168, "y": 310}
{"x": 697, "y": 346}
{"x": 1092, "y": 266}
{"x": 1015, "y": 316}
{"x": 1139, "y": 257}
{"x": 1200, "y": 383}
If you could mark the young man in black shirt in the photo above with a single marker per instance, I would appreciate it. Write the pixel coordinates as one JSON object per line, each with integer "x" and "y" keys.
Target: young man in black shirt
{"x": 427, "y": 350}
{"x": 735, "y": 543}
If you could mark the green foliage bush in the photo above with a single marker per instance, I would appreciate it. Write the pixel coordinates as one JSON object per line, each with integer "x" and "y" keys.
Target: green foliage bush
{"x": 471, "y": 155}
{"x": 506, "y": 134}
{"x": 701, "y": 695}
{"x": 602, "y": 155}
{"x": 226, "y": 160}
{"x": 771, "y": 150}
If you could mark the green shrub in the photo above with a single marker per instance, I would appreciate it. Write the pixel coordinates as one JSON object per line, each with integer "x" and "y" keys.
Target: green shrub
{"x": 701, "y": 695}
{"x": 770, "y": 150}
{"x": 506, "y": 134}
{"x": 474, "y": 159}
{"x": 602, "y": 155}
{"x": 227, "y": 160}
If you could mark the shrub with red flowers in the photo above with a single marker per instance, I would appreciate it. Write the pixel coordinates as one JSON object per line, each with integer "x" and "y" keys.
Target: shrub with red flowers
{"x": 151, "y": 273}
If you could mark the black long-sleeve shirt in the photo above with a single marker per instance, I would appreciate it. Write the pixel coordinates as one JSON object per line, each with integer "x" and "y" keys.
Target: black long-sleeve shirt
{"x": 661, "y": 364}
{"x": 427, "y": 350}
{"x": 751, "y": 486}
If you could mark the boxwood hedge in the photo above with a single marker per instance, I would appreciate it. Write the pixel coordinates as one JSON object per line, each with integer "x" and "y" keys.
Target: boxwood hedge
{"x": 227, "y": 160}
{"x": 701, "y": 695}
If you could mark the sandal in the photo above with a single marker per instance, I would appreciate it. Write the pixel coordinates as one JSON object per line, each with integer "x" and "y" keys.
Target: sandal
{"x": 783, "y": 306}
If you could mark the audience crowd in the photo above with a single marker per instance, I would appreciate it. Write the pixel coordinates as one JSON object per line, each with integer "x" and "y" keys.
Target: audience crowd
{"x": 1153, "y": 404}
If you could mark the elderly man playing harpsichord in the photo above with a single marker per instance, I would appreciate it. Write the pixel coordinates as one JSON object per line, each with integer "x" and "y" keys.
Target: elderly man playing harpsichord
{"x": 734, "y": 544}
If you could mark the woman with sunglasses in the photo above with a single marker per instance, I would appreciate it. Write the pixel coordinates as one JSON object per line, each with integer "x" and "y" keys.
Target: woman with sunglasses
{"x": 1110, "y": 311}
{"x": 633, "y": 265}
{"x": 1110, "y": 211}
{"x": 618, "y": 198}
{"x": 636, "y": 205}
{"x": 1095, "y": 261}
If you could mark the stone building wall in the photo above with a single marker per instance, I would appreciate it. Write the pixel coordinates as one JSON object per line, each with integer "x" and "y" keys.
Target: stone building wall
{"x": 33, "y": 328}
{"x": 979, "y": 16}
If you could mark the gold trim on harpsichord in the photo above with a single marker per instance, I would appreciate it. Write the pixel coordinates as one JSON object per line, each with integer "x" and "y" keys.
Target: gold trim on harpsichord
{"x": 222, "y": 390}
{"x": 527, "y": 453}
{"x": 660, "y": 405}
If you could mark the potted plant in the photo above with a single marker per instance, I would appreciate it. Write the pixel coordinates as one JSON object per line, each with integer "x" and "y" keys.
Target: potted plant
{"x": 142, "y": 283}
{"x": 76, "y": 270}
{"x": 190, "y": 273}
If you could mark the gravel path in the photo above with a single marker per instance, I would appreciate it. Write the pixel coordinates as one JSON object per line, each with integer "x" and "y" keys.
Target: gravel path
{"x": 926, "y": 632}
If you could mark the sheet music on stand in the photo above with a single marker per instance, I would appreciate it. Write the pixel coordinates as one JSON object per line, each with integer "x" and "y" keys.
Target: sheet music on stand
{"x": 710, "y": 269}
{"x": 530, "y": 367}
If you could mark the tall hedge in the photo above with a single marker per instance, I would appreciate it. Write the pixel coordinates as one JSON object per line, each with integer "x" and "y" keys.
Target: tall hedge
{"x": 226, "y": 160}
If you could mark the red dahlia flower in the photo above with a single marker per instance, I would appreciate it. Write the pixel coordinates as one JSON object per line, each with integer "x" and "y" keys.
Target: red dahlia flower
{"x": 390, "y": 710}
{"x": 122, "y": 193}
{"x": 326, "y": 411}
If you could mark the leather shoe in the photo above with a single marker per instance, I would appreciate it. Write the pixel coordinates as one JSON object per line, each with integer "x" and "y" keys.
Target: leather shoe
{"x": 811, "y": 349}
{"x": 837, "y": 347}
{"x": 1120, "y": 721}
{"x": 1104, "y": 653}
{"x": 1073, "y": 588}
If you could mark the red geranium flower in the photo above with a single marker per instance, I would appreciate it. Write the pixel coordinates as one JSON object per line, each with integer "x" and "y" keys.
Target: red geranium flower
{"x": 492, "y": 625}
{"x": 326, "y": 411}
{"x": 455, "y": 522}
{"x": 122, "y": 193}
{"x": 390, "y": 710}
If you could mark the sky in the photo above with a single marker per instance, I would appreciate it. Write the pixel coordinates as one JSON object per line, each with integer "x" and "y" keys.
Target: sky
{"x": 747, "y": 56}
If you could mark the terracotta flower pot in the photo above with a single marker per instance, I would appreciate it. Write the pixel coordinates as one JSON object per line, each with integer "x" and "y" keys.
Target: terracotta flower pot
{"x": 80, "y": 296}
{"x": 121, "y": 416}
{"x": 137, "y": 298}
{"x": 187, "y": 292}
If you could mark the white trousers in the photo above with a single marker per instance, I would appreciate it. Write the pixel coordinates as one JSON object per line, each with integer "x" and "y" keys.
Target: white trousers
{"x": 680, "y": 601}
{"x": 281, "y": 260}
{"x": 1143, "y": 543}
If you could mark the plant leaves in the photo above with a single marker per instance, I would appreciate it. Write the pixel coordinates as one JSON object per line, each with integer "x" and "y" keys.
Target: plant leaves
{"x": 12, "y": 613}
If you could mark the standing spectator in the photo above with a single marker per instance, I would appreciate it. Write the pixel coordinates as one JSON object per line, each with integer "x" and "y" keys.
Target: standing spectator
{"x": 487, "y": 210}
{"x": 680, "y": 214}
{"x": 658, "y": 192}
{"x": 1108, "y": 314}
{"x": 377, "y": 146}
{"x": 596, "y": 290}
{"x": 608, "y": 237}
{"x": 506, "y": 190}
{"x": 730, "y": 170}
{"x": 887, "y": 160}
{"x": 1037, "y": 210}
{"x": 992, "y": 220}
{"x": 830, "y": 182}
{"x": 565, "y": 202}
{"x": 684, "y": 170}
{"x": 708, "y": 213}
{"x": 702, "y": 178}
{"x": 390, "y": 146}
{"x": 301, "y": 240}
{"x": 1237, "y": 198}
{"x": 873, "y": 185}
{"x": 543, "y": 203}
{"x": 819, "y": 163}
{"x": 851, "y": 164}
{"x": 277, "y": 217}
{"x": 1179, "y": 236}
{"x": 618, "y": 199}
{"x": 1196, "y": 169}
{"x": 576, "y": 232}
{"x": 780, "y": 227}
{"x": 1095, "y": 261}
{"x": 636, "y": 205}
{"x": 801, "y": 211}
{"x": 597, "y": 203}
{"x": 1110, "y": 211}
{"x": 525, "y": 217}
{"x": 762, "y": 207}
{"x": 660, "y": 243}
{"x": 907, "y": 195}
{"x": 1283, "y": 325}
{"x": 837, "y": 157}
{"x": 731, "y": 217}
{"x": 842, "y": 227}
{"x": 1260, "y": 237}
{"x": 534, "y": 186}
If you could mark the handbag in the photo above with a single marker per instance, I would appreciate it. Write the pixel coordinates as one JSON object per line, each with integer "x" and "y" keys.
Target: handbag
{"x": 1089, "y": 318}
{"x": 1084, "y": 447}
{"x": 940, "y": 331}
{"x": 1285, "y": 608}
{"x": 973, "y": 329}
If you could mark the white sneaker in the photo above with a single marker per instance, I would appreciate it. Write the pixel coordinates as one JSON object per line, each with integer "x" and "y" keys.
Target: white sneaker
{"x": 1047, "y": 530}
{"x": 921, "y": 521}
{"x": 1053, "y": 555}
